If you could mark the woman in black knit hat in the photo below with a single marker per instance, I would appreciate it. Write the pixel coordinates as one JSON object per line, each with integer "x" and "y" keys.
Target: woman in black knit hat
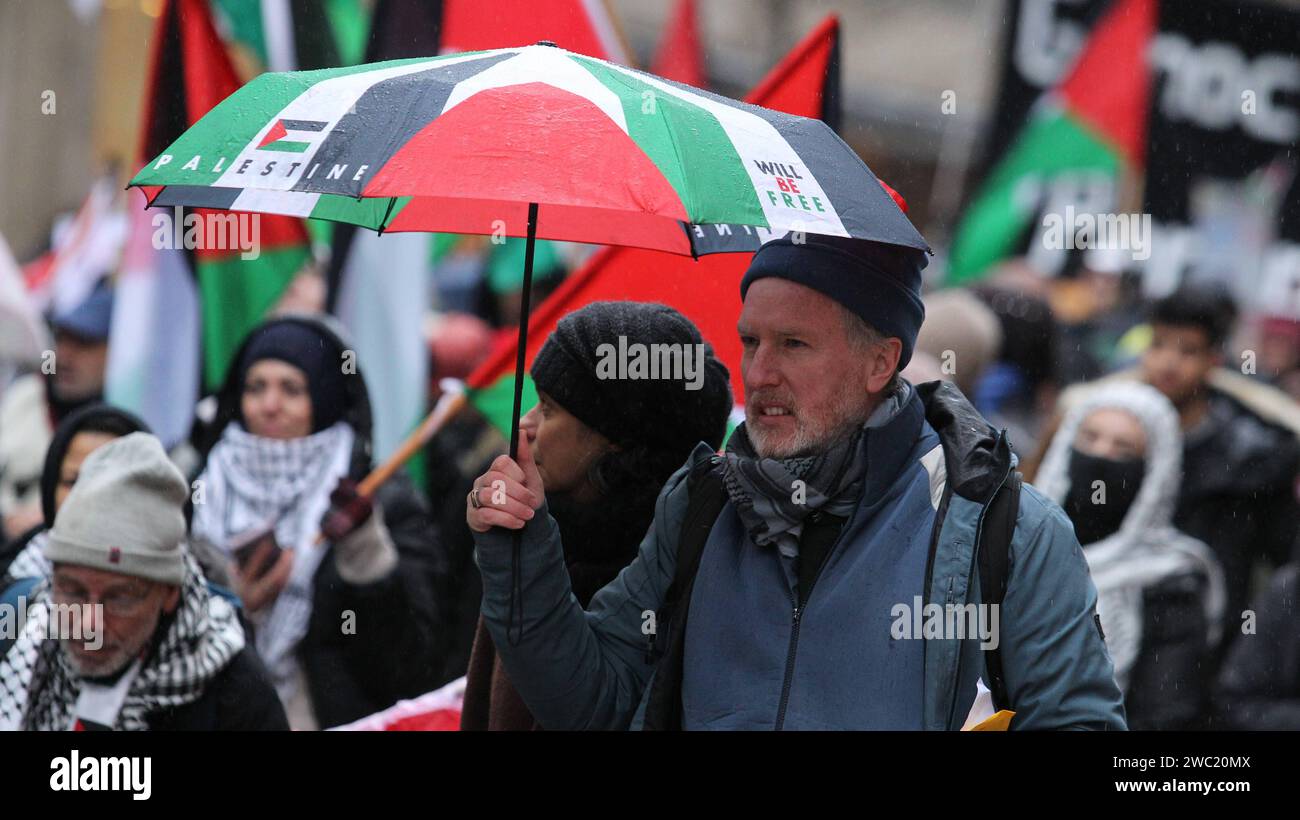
{"x": 608, "y": 430}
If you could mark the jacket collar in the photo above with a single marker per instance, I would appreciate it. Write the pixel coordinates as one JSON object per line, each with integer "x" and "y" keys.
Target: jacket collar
{"x": 888, "y": 439}
{"x": 977, "y": 456}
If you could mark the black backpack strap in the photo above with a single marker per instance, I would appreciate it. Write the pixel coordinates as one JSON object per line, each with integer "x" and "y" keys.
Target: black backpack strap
{"x": 666, "y": 649}
{"x": 994, "y": 563}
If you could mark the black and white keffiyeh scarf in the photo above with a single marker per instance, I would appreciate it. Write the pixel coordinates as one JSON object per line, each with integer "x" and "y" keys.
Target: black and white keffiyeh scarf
{"x": 251, "y": 482}
{"x": 773, "y": 496}
{"x": 30, "y": 562}
{"x": 40, "y": 691}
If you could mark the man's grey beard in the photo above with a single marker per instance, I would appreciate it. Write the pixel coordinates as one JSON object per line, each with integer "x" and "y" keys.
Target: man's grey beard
{"x": 803, "y": 444}
{"x": 121, "y": 659}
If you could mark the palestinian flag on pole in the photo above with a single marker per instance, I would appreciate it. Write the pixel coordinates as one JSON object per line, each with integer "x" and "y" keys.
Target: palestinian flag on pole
{"x": 1095, "y": 121}
{"x": 190, "y": 73}
{"x": 153, "y": 345}
{"x": 287, "y": 35}
{"x": 85, "y": 251}
{"x": 706, "y": 290}
{"x": 379, "y": 285}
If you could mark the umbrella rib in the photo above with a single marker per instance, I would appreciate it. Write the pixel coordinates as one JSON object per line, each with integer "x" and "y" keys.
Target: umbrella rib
{"x": 392, "y": 200}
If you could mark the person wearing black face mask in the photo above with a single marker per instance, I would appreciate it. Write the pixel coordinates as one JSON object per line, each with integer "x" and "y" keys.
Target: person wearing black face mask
{"x": 1121, "y": 477}
{"x": 1114, "y": 466}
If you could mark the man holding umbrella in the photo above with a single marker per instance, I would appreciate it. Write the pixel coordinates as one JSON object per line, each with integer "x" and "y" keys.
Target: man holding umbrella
{"x": 847, "y": 498}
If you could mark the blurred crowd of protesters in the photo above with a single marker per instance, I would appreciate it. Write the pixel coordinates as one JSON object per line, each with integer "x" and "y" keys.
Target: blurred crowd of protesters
{"x": 1167, "y": 430}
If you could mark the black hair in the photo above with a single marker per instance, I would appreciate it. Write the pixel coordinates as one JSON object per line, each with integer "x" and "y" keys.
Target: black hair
{"x": 607, "y": 530}
{"x": 92, "y": 418}
{"x": 630, "y": 477}
{"x": 634, "y": 472}
{"x": 1209, "y": 308}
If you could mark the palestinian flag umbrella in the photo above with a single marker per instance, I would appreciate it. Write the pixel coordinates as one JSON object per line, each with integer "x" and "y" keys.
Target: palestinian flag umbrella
{"x": 533, "y": 141}
{"x": 466, "y": 142}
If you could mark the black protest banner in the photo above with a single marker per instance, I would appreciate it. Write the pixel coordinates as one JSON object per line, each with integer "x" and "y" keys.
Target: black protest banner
{"x": 1041, "y": 41}
{"x": 1222, "y": 185}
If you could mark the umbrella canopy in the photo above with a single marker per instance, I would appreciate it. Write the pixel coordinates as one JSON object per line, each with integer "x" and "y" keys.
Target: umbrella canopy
{"x": 466, "y": 142}
{"x": 533, "y": 141}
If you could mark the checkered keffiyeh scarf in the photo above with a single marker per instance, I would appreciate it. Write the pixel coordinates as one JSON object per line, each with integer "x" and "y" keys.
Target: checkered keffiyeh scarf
{"x": 251, "y": 481}
{"x": 30, "y": 562}
{"x": 773, "y": 496}
{"x": 39, "y": 689}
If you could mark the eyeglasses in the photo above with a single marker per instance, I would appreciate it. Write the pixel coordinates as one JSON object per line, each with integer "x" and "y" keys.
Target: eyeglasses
{"x": 116, "y": 603}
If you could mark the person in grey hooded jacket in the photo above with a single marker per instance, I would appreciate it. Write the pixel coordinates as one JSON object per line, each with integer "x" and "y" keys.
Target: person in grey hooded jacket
{"x": 853, "y": 504}
{"x": 1115, "y": 465}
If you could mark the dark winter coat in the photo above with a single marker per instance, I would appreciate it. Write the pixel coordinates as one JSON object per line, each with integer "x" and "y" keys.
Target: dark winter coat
{"x": 1238, "y": 493}
{"x": 599, "y": 540}
{"x": 1169, "y": 686}
{"x": 393, "y": 653}
{"x": 240, "y": 698}
{"x": 1259, "y": 685}
{"x": 454, "y": 459}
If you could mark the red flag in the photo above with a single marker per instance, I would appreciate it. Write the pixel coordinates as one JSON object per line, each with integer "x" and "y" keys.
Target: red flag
{"x": 190, "y": 72}
{"x": 706, "y": 290}
{"x": 681, "y": 54}
{"x": 807, "y": 80}
{"x": 436, "y": 711}
{"x": 584, "y": 26}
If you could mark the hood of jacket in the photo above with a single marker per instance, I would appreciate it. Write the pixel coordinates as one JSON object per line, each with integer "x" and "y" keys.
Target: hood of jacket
{"x": 1153, "y": 508}
{"x": 977, "y": 456}
{"x": 1146, "y": 550}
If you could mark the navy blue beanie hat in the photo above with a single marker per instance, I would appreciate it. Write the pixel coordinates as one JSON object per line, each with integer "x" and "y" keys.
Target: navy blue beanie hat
{"x": 303, "y": 347}
{"x": 879, "y": 282}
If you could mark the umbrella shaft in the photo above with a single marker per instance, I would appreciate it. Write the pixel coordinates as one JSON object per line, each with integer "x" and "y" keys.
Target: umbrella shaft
{"x": 521, "y": 352}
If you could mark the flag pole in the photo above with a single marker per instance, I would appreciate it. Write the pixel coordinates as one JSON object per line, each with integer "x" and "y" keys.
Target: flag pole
{"x": 448, "y": 406}
{"x": 516, "y": 577}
